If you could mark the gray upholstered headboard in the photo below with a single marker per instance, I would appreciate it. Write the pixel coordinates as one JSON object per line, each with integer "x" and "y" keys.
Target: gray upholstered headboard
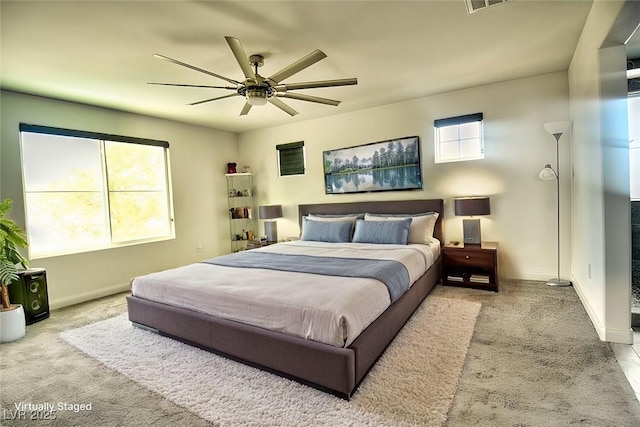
{"x": 381, "y": 207}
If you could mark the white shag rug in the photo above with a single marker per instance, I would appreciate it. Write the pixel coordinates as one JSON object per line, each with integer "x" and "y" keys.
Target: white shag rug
{"x": 413, "y": 383}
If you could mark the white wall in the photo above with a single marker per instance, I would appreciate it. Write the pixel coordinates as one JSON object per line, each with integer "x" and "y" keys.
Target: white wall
{"x": 601, "y": 236}
{"x": 198, "y": 164}
{"x": 523, "y": 218}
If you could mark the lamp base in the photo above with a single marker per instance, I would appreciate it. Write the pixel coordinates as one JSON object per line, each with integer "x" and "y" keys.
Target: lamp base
{"x": 271, "y": 230}
{"x": 471, "y": 231}
{"x": 558, "y": 282}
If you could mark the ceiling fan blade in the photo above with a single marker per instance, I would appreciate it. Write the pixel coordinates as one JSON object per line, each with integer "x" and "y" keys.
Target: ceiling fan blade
{"x": 245, "y": 109}
{"x": 183, "y": 85}
{"x": 214, "y": 99}
{"x": 298, "y": 66}
{"x": 241, "y": 57}
{"x": 284, "y": 107}
{"x": 317, "y": 99}
{"x": 175, "y": 61}
{"x": 315, "y": 84}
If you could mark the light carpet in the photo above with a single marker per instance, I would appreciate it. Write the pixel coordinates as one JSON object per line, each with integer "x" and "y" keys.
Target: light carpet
{"x": 413, "y": 383}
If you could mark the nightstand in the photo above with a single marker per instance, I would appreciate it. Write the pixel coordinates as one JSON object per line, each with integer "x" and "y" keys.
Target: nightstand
{"x": 255, "y": 244}
{"x": 471, "y": 266}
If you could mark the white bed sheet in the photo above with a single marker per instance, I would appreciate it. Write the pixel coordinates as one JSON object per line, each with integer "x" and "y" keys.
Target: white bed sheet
{"x": 331, "y": 310}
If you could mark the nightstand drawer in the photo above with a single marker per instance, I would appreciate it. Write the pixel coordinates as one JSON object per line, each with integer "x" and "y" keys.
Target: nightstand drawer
{"x": 469, "y": 259}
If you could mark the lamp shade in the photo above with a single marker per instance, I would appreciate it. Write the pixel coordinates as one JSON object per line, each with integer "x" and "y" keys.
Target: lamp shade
{"x": 547, "y": 173}
{"x": 270, "y": 212}
{"x": 557, "y": 127}
{"x": 470, "y": 206}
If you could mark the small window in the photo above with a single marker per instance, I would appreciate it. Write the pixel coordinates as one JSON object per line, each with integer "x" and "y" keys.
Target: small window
{"x": 291, "y": 158}
{"x": 459, "y": 138}
{"x": 476, "y": 5}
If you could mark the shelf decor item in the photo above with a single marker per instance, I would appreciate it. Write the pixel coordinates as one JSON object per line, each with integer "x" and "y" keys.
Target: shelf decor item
{"x": 270, "y": 227}
{"x": 548, "y": 173}
{"x": 472, "y": 206}
{"x": 12, "y": 237}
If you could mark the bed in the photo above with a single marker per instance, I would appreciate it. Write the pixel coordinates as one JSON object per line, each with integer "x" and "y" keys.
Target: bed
{"x": 336, "y": 363}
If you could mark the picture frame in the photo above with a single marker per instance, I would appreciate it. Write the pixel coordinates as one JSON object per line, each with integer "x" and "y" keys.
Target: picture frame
{"x": 390, "y": 165}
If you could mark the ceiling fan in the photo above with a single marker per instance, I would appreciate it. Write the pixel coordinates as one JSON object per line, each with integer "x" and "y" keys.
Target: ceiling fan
{"x": 258, "y": 90}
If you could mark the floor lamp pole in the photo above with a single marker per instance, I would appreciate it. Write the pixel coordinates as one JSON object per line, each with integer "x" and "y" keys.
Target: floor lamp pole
{"x": 558, "y": 281}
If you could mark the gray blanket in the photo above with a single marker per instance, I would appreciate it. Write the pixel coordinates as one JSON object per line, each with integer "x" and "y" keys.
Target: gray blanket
{"x": 392, "y": 273}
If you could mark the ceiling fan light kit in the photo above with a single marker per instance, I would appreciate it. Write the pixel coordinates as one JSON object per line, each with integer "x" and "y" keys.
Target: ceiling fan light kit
{"x": 256, "y": 96}
{"x": 258, "y": 90}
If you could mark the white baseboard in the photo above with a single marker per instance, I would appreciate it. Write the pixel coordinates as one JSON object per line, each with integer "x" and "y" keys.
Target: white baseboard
{"x": 608, "y": 335}
{"x": 88, "y": 296}
{"x": 597, "y": 324}
{"x": 619, "y": 336}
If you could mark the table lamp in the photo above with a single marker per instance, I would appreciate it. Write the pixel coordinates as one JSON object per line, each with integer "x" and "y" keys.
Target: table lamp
{"x": 270, "y": 227}
{"x": 472, "y": 206}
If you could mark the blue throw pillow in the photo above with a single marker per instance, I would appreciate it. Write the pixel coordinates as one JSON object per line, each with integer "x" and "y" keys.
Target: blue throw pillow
{"x": 329, "y": 231}
{"x": 384, "y": 232}
{"x": 422, "y": 225}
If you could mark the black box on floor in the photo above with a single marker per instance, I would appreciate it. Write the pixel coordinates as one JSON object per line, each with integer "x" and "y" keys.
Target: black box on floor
{"x": 31, "y": 291}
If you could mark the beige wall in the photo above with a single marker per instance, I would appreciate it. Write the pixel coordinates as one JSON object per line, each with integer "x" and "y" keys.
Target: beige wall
{"x": 516, "y": 145}
{"x": 601, "y": 235}
{"x": 198, "y": 164}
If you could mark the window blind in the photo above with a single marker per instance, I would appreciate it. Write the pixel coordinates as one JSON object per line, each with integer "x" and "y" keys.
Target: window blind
{"x": 291, "y": 158}
{"x": 458, "y": 120}
{"x": 90, "y": 135}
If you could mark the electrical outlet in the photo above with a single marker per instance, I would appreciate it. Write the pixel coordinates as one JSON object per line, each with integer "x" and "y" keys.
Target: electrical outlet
{"x": 199, "y": 247}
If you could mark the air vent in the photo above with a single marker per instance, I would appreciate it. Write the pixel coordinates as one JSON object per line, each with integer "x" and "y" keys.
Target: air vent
{"x": 476, "y": 5}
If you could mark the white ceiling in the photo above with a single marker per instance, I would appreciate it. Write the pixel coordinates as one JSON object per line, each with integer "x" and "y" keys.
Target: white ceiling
{"x": 100, "y": 52}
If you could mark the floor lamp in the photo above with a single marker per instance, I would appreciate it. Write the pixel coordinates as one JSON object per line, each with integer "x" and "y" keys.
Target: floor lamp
{"x": 548, "y": 173}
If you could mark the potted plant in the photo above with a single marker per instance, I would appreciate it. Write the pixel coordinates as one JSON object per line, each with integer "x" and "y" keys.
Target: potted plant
{"x": 12, "y": 237}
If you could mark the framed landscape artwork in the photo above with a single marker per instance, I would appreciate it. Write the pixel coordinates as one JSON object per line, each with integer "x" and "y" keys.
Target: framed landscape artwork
{"x": 378, "y": 166}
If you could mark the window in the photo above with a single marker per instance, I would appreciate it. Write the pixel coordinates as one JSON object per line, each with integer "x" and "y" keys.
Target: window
{"x": 459, "y": 138}
{"x": 86, "y": 191}
{"x": 291, "y": 158}
{"x": 476, "y": 5}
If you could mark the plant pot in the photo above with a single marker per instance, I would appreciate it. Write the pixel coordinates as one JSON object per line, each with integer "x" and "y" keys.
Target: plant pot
{"x": 12, "y": 324}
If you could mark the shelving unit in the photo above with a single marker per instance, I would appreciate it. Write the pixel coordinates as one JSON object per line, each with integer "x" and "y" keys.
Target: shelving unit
{"x": 242, "y": 212}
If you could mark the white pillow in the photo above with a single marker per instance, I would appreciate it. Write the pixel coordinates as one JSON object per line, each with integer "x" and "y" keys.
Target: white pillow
{"x": 421, "y": 228}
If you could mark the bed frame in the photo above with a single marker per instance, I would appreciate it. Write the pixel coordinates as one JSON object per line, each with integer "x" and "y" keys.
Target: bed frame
{"x": 332, "y": 369}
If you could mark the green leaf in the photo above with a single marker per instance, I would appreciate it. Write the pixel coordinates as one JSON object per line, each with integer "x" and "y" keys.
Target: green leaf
{"x": 12, "y": 237}
{"x": 12, "y": 232}
{"x": 8, "y": 272}
{"x": 5, "y": 206}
